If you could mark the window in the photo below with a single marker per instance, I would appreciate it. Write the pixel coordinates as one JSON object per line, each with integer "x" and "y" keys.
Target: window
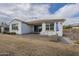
{"x": 50, "y": 26}
{"x": 14, "y": 26}
{"x": 47, "y": 26}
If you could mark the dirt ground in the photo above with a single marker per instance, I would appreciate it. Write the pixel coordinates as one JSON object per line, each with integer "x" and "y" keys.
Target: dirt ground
{"x": 72, "y": 33}
{"x": 34, "y": 45}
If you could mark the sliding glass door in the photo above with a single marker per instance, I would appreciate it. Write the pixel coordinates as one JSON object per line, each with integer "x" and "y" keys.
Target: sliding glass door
{"x": 37, "y": 28}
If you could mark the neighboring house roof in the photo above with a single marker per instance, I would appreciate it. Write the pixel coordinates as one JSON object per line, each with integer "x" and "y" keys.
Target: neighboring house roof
{"x": 3, "y": 25}
{"x": 75, "y": 25}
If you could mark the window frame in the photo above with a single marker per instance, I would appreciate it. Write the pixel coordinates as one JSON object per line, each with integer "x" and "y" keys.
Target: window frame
{"x": 15, "y": 26}
{"x": 49, "y": 27}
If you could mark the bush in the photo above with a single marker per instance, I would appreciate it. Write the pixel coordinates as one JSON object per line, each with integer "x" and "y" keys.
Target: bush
{"x": 5, "y": 32}
{"x": 77, "y": 42}
{"x": 13, "y": 33}
{"x": 67, "y": 27}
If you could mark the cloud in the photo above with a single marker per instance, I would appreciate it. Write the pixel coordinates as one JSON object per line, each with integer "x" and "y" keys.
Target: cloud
{"x": 23, "y": 10}
{"x": 37, "y": 10}
{"x": 24, "y": 6}
{"x": 67, "y": 11}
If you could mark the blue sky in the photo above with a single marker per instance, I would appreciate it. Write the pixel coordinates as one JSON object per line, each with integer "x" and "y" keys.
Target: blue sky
{"x": 54, "y": 7}
{"x": 8, "y": 11}
{"x": 73, "y": 18}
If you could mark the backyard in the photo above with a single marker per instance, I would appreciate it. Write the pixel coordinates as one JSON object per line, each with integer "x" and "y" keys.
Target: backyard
{"x": 34, "y": 45}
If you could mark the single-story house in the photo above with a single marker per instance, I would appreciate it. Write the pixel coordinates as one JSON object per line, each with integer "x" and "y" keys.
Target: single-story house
{"x": 42, "y": 26}
{"x": 4, "y": 28}
{"x": 75, "y": 26}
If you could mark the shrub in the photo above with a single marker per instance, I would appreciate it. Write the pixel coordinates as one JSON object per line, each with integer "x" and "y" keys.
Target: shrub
{"x": 67, "y": 27}
{"x": 77, "y": 42}
{"x": 13, "y": 33}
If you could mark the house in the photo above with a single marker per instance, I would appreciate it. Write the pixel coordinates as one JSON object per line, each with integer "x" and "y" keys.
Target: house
{"x": 42, "y": 26}
{"x": 4, "y": 28}
{"x": 75, "y": 26}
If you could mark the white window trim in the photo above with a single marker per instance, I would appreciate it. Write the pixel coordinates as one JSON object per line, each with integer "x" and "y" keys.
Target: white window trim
{"x": 48, "y": 26}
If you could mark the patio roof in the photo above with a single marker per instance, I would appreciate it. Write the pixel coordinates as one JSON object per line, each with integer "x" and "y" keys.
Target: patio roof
{"x": 45, "y": 20}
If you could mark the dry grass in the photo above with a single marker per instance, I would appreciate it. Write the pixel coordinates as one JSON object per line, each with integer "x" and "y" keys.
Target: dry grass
{"x": 34, "y": 46}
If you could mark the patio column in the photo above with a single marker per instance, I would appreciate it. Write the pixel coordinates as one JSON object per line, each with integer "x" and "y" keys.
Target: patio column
{"x": 58, "y": 28}
{"x": 43, "y": 27}
{"x": 55, "y": 27}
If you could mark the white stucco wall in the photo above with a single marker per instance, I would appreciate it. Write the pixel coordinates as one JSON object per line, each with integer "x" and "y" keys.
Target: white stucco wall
{"x": 22, "y": 27}
{"x": 25, "y": 28}
{"x": 19, "y": 25}
{"x": 46, "y": 32}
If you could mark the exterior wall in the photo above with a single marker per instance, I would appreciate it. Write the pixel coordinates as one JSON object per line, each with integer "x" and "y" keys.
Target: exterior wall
{"x": 50, "y": 33}
{"x": 43, "y": 27}
{"x": 22, "y": 28}
{"x": 19, "y": 27}
{"x": 26, "y": 28}
{"x": 46, "y": 32}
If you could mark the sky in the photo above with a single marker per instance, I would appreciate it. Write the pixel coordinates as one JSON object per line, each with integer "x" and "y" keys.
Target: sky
{"x": 68, "y": 11}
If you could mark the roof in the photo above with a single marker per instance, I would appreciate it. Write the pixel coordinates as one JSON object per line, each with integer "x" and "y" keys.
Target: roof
{"x": 17, "y": 20}
{"x": 38, "y": 21}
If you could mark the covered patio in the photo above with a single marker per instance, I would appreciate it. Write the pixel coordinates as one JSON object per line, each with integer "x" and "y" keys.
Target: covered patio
{"x": 48, "y": 26}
